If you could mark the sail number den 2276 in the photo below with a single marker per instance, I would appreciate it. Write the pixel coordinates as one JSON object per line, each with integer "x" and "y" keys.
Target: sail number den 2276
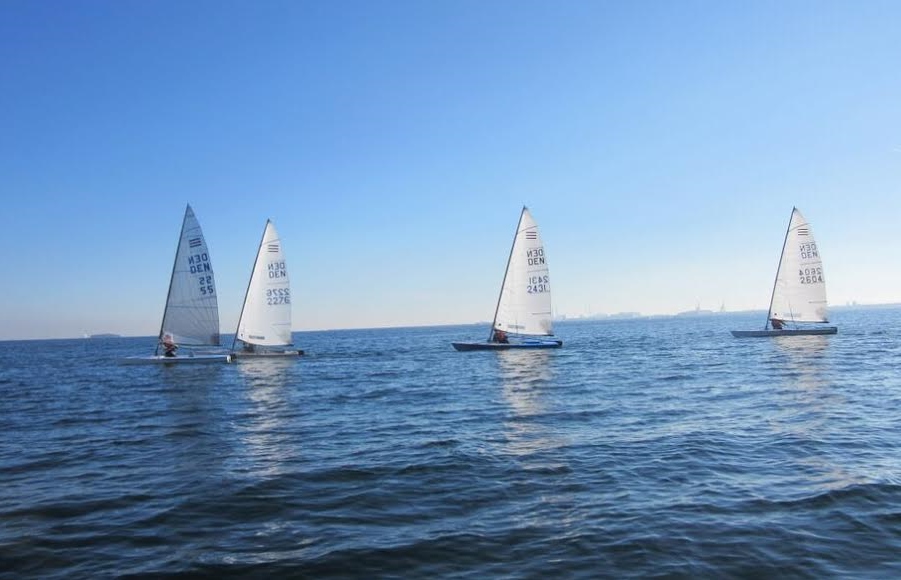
{"x": 276, "y": 296}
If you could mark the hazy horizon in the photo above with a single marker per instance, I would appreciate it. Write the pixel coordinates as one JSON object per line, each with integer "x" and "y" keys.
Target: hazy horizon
{"x": 596, "y": 317}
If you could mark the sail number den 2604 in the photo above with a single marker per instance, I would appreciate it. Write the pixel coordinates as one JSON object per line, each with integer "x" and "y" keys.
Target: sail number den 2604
{"x": 811, "y": 276}
{"x": 808, "y": 251}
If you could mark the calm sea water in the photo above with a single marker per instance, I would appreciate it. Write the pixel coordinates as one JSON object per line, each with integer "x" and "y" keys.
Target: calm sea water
{"x": 642, "y": 448}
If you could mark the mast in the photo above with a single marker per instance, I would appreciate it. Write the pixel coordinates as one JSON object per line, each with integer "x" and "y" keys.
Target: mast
{"x": 779, "y": 267}
{"x": 249, "y": 282}
{"x": 506, "y": 270}
{"x": 181, "y": 236}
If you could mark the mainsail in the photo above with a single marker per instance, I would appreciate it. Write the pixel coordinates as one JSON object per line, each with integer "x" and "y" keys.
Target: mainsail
{"x": 799, "y": 293}
{"x": 524, "y": 305}
{"x": 266, "y": 317}
{"x": 192, "y": 310}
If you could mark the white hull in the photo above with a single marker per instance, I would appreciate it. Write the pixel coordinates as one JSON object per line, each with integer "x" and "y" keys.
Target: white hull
{"x": 170, "y": 360}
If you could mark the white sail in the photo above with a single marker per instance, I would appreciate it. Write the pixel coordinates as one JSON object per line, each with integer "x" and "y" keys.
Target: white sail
{"x": 266, "y": 317}
{"x": 799, "y": 294}
{"x": 192, "y": 310}
{"x": 524, "y": 306}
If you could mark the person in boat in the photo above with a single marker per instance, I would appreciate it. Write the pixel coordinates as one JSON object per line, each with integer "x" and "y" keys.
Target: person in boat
{"x": 500, "y": 336}
{"x": 248, "y": 347}
{"x": 777, "y": 323}
{"x": 169, "y": 346}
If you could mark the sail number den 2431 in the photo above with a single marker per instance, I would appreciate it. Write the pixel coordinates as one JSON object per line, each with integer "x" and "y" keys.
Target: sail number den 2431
{"x": 538, "y": 284}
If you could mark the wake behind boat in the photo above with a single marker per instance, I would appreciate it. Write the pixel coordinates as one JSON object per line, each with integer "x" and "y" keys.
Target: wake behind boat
{"x": 799, "y": 292}
{"x": 191, "y": 315}
{"x": 264, "y": 327}
{"x": 522, "y": 318}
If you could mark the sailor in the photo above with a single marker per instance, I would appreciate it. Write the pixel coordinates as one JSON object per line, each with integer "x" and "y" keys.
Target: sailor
{"x": 169, "y": 346}
{"x": 777, "y": 323}
{"x": 500, "y": 336}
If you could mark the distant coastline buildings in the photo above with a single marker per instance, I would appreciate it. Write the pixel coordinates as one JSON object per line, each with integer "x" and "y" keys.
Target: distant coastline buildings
{"x": 599, "y": 316}
{"x": 697, "y": 311}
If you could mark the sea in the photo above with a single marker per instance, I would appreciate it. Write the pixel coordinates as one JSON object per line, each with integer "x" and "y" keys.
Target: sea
{"x": 648, "y": 447}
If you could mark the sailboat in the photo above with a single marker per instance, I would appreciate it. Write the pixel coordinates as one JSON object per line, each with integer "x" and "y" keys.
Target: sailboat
{"x": 191, "y": 316}
{"x": 799, "y": 292}
{"x": 522, "y": 318}
{"x": 264, "y": 327}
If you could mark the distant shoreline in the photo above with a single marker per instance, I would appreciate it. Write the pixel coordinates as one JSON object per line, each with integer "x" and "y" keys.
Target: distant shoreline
{"x": 581, "y": 318}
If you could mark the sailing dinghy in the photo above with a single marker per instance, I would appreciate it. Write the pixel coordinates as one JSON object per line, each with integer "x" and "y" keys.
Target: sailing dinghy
{"x": 191, "y": 316}
{"x": 799, "y": 292}
{"x": 264, "y": 327}
{"x": 522, "y": 318}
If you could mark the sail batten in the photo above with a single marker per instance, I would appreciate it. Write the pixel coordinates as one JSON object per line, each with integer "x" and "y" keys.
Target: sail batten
{"x": 191, "y": 315}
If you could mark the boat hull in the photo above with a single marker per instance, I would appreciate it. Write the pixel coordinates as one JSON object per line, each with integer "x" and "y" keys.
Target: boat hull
{"x": 784, "y": 332}
{"x": 239, "y": 355}
{"x": 467, "y": 346}
{"x": 173, "y": 360}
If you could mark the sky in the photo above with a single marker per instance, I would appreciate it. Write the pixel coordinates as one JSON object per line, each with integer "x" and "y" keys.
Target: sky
{"x": 660, "y": 146}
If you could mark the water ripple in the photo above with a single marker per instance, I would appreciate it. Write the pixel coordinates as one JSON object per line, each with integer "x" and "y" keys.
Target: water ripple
{"x": 642, "y": 448}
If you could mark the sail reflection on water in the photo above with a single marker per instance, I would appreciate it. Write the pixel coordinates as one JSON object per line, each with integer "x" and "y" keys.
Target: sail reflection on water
{"x": 191, "y": 419}
{"x": 803, "y": 358}
{"x": 808, "y": 404}
{"x": 264, "y": 429}
{"x": 527, "y": 379}
{"x": 532, "y": 438}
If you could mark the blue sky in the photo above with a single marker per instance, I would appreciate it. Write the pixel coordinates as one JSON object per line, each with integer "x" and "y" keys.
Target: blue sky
{"x": 660, "y": 146}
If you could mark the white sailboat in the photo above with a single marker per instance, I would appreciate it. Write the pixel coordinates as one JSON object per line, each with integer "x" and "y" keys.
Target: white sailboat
{"x": 523, "y": 316}
{"x": 799, "y": 292}
{"x": 191, "y": 316}
{"x": 264, "y": 327}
